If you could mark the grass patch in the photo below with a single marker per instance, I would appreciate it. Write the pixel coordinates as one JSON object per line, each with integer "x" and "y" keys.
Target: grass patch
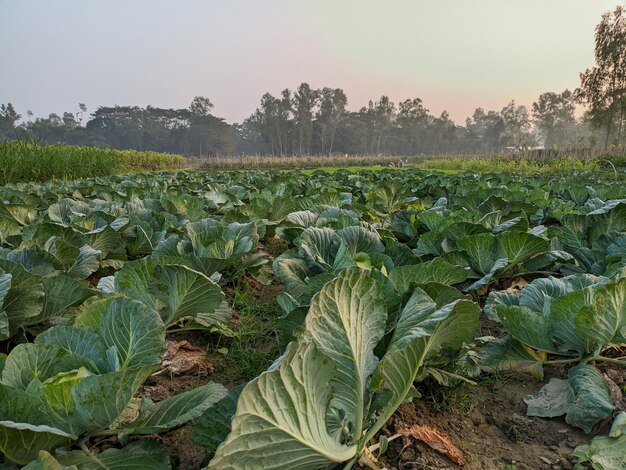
{"x": 484, "y": 164}
{"x": 441, "y": 398}
{"x": 29, "y": 161}
{"x": 254, "y": 342}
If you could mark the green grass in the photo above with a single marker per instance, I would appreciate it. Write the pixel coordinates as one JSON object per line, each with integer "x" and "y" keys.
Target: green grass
{"x": 512, "y": 165}
{"x": 442, "y": 398}
{"x": 28, "y": 161}
{"x": 254, "y": 340}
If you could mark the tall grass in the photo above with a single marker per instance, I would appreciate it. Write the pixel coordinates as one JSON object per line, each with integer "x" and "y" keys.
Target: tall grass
{"x": 292, "y": 163}
{"x": 29, "y": 161}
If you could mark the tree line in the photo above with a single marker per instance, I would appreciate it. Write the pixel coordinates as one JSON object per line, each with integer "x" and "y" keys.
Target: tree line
{"x": 309, "y": 121}
{"x": 312, "y": 122}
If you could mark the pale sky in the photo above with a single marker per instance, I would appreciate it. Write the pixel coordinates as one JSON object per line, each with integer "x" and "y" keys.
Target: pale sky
{"x": 454, "y": 54}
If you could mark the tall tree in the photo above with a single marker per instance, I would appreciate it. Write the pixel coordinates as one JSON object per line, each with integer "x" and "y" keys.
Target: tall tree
{"x": 208, "y": 134}
{"x": 516, "y": 125}
{"x": 200, "y": 125}
{"x": 486, "y": 130}
{"x": 332, "y": 110}
{"x": 603, "y": 87}
{"x": 304, "y": 101}
{"x": 82, "y": 109}
{"x": 200, "y": 106}
{"x": 271, "y": 121}
{"x": 285, "y": 121}
{"x": 380, "y": 116}
{"x": 8, "y": 119}
{"x": 553, "y": 115}
{"x": 412, "y": 121}
{"x": 443, "y": 133}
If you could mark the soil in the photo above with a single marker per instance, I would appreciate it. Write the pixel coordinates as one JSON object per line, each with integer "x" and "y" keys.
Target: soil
{"x": 183, "y": 454}
{"x": 491, "y": 427}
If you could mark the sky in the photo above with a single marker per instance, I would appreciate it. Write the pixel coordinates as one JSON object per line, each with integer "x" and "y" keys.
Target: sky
{"x": 455, "y": 55}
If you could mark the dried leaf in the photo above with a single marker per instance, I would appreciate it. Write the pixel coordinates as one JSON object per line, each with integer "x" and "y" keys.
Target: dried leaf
{"x": 435, "y": 440}
{"x": 518, "y": 284}
{"x": 181, "y": 357}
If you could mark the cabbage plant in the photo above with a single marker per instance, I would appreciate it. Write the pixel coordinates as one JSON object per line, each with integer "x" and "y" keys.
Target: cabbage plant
{"x": 175, "y": 291}
{"x": 76, "y": 381}
{"x": 576, "y": 320}
{"x": 337, "y": 385}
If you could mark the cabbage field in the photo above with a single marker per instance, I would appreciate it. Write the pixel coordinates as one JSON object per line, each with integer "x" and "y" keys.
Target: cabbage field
{"x": 383, "y": 284}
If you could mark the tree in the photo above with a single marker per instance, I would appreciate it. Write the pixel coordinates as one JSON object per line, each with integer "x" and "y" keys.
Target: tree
{"x": 486, "y": 130}
{"x": 82, "y": 109}
{"x": 553, "y": 115}
{"x": 272, "y": 121}
{"x": 285, "y": 122}
{"x": 8, "y": 118}
{"x": 516, "y": 125}
{"x": 249, "y": 139}
{"x": 203, "y": 133}
{"x": 603, "y": 87}
{"x": 69, "y": 120}
{"x": 412, "y": 121}
{"x": 201, "y": 106}
{"x": 118, "y": 126}
{"x": 380, "y": 116}
{"x": 443, "y": 132}
{"x": 304, "y": 101}
{"x": 332, "y": 110}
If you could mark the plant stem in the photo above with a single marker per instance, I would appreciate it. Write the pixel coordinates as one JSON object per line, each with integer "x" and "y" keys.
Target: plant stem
{"x": 106, "y": 432}
{"x": 84, "y": 448}
{"x": 562, "y": 361}
{"x": 611, "y": 360}
{"x": 374, "y": 447}
{"x": 180, "y": 330}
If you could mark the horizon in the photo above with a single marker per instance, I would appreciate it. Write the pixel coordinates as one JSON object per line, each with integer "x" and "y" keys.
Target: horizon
{"x": 67, "y": 58}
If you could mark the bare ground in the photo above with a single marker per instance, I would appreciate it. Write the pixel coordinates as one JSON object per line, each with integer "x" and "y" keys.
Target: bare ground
{"x": 490, "y": 426}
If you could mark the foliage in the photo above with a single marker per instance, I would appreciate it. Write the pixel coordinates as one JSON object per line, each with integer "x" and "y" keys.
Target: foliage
{"x": 29, "y": 161}
{"x": 602, "y": 86}
{"x": 306, "y": 122}
{"x": 79, "y": 379}
{"x": 606, "y": 452}
{"x": 576, "y": 317}
{"x": 512, "y": 165}
{"x": 381, "y": 267}
{"x": 345, "y": 323}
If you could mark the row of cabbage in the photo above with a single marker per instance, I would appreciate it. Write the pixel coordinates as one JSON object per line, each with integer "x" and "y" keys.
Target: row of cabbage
{"x": 382, "y": 280}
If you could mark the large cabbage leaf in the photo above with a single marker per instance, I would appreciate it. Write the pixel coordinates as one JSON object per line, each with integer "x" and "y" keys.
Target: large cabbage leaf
{"x": 313, "y": 408}
{"x": 584, "y": 398}
{"x": 140, "y": 455}
{"x": 177, "y": 292}
{"x": 281, "y": 417}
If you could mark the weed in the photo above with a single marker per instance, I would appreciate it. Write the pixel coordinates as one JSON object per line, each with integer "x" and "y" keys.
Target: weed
{"x": 254, "y": 342}
{"x": 443, "y": 399}
{"x": 276, "y": 246}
